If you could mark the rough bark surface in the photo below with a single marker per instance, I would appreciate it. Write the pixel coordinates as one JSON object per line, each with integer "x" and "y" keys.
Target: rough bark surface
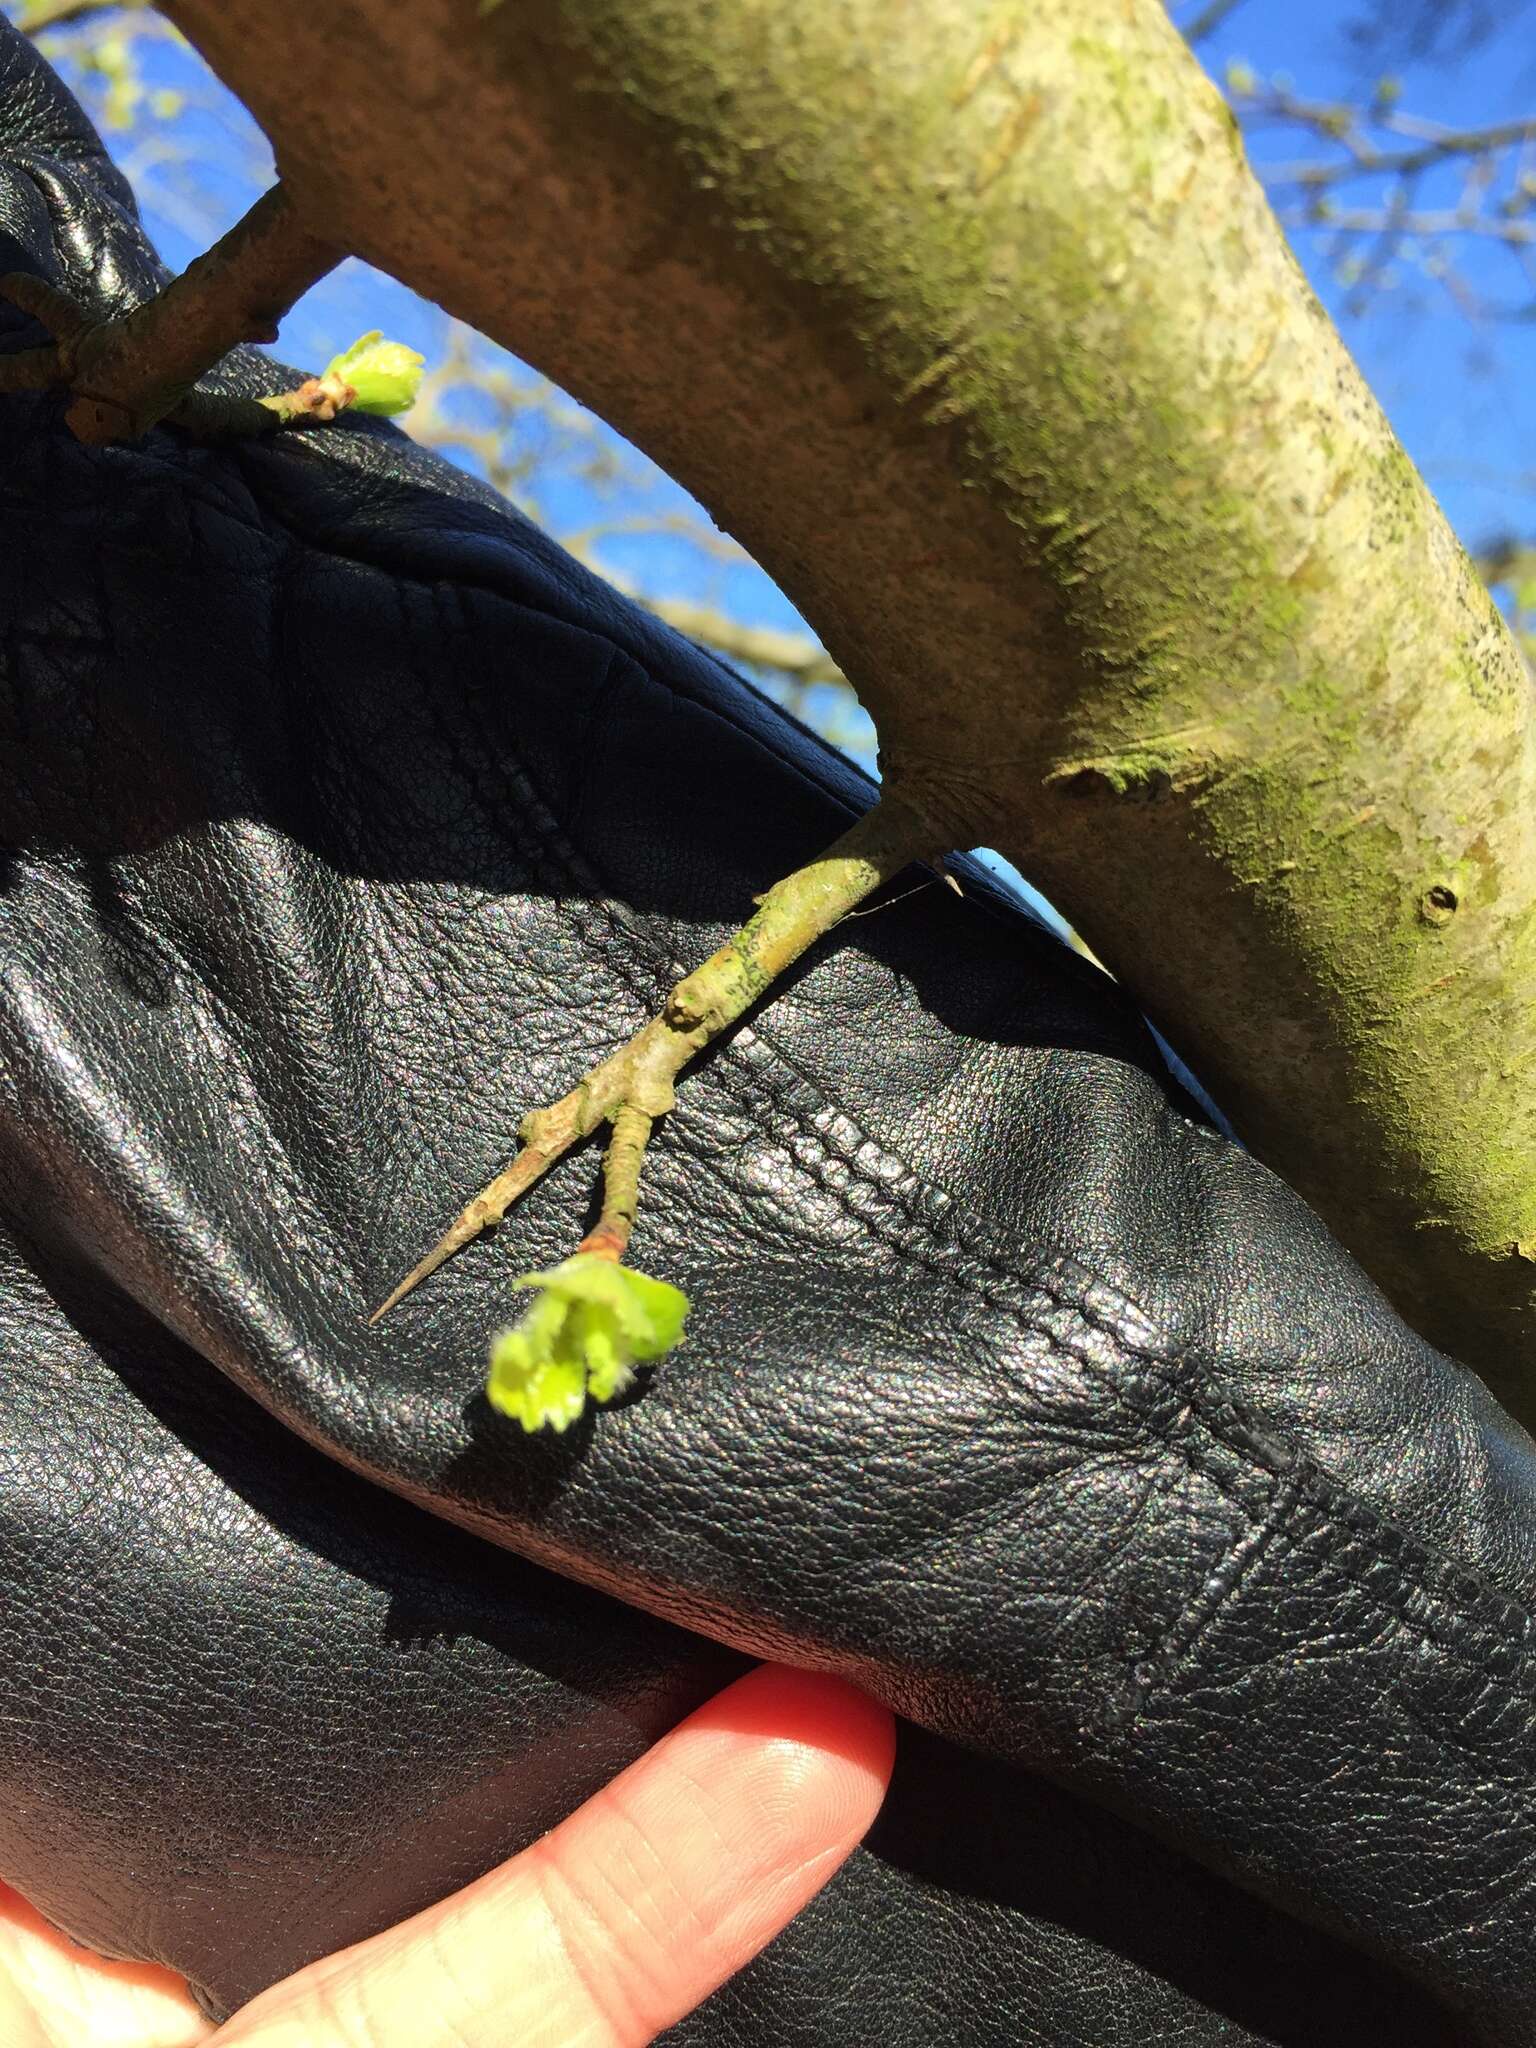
{"x": 973, "y": 325}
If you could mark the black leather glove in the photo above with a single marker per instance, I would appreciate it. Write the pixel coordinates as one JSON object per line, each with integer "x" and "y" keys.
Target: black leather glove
{"x": 344, "y": 819}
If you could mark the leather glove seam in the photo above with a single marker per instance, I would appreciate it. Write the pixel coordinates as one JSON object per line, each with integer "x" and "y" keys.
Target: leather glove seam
{"x": 1256, "y": 1446}
{"x": 1466, "y": 1598}
{"x": 1156, "y": 1669}
{"x": 1298, "y": 1510}
{"x": 534, "y": 832}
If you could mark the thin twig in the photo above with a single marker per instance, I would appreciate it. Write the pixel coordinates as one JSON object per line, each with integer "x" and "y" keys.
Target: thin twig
{"x": 45, "y": 14}
{"x": 792, "y": 654}
{"x": 1367, "y": 220}
{"x": 680, "y": 525}
{"x": 621, "y": 1183}
{"x": 1495, "y": 202}
{"x": 640, "y": 1074}
{"x": 1209, "y": 20}
{"x": 127, "y": 374}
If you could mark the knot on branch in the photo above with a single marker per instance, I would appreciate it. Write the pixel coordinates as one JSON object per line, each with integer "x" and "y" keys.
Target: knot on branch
{"x": 1148, "y": 771}
{"x": 1438, "y": 905}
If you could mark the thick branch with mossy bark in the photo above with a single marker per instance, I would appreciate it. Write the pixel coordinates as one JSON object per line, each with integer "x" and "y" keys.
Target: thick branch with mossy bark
{"x": 974, "y": 327}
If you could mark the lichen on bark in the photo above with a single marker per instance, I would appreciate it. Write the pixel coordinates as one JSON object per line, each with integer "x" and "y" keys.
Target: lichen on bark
{"x": 974, "y": 326}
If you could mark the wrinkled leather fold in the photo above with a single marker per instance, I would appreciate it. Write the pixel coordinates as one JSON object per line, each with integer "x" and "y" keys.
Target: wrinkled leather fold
{"x": 345, "y": 819}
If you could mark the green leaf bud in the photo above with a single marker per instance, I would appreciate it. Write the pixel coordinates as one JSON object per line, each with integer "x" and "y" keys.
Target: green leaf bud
{"x": 384, "y": 375}
{"x": 591, "y": 1323}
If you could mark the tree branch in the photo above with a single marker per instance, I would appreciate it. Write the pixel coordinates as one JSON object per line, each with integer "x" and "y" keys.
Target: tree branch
{"x": 634, "y": 1084}
{"x": 46, "y": 14}
{"x": 621, "y": 1183}
{"x": 129, "y": 373}
{"x": 1341, "y": 124}
{"x": 1209, "y": 20}
{"x": 1121, "y": 556}
{"x": 1427, "y": 222}
{"x": 792, "y": 654}
{"x": 1376, "y": 142}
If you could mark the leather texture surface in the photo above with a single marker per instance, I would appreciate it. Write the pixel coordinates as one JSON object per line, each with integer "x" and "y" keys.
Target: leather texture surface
{"x": 344, "y": 819}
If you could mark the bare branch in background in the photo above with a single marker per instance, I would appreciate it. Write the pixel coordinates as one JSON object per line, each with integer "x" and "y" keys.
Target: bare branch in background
{"x": 1505, "y": 559}
{"x": 1418, "y": 190}
{"x": 1397, "y": 30}
{"x": 1507, "y": 564}
{"x": 45, "y": 14}
{"x": 531, "y": 425}
{"x": 1209, "y": 19}
{"x": 1393, "y": 222}
{"x": 797, "y": 655}
{"x": 477, "y": 405}
{"x": 1372, "y": 178}
{"x": 1349, "y": 127}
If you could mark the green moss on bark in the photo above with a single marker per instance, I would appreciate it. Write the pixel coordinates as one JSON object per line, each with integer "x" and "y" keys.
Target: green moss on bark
{"x": 973, "y": 325}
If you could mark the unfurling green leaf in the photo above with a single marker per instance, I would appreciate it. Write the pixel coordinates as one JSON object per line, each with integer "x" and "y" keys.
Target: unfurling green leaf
{"x": 591, "y": 1323}
{"x": 386, "y": 375}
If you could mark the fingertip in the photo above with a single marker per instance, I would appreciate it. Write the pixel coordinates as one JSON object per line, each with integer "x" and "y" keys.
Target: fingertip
{"x": 621, "y": 1919}
{"x": 791, "y": 1768}
{"x": 814, "y": 1711}
{"x": 683, "y": 1868}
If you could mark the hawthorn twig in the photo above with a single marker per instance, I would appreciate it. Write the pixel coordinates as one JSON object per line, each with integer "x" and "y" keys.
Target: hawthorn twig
{"x": 126, "y": 375}
{"x": 621, "y": 1183}
{"x": 634, "y": 1084}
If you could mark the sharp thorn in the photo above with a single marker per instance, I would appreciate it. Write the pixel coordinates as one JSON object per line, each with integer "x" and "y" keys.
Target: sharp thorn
{"x": 489, "y": 1206}
{"x": 452, "y": 1240}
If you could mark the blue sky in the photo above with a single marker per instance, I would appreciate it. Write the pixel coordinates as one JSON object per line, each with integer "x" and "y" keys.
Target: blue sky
{"x": 1460, "y": 390}
{"x": 1459, "y": 387}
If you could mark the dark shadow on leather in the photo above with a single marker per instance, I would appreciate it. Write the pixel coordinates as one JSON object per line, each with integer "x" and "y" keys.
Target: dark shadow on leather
{"x": 133, "y": 957}
{"x": 979, "y": 1830}
{"x": 408, "y": 738}
{"x": 546, "y": 1458}
{"x": 477, "y": 1589}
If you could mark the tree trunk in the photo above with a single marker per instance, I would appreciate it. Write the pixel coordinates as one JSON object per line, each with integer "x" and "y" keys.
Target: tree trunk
{"x": 971, "y": 322}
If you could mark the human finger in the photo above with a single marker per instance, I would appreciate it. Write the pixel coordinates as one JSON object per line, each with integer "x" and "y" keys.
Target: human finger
{"x": 630, "y": 1913}
{"x": 54, "y": 1992}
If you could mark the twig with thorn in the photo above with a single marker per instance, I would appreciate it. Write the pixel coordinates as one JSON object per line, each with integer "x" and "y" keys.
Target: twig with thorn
{"x": 634, "y": 1085}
